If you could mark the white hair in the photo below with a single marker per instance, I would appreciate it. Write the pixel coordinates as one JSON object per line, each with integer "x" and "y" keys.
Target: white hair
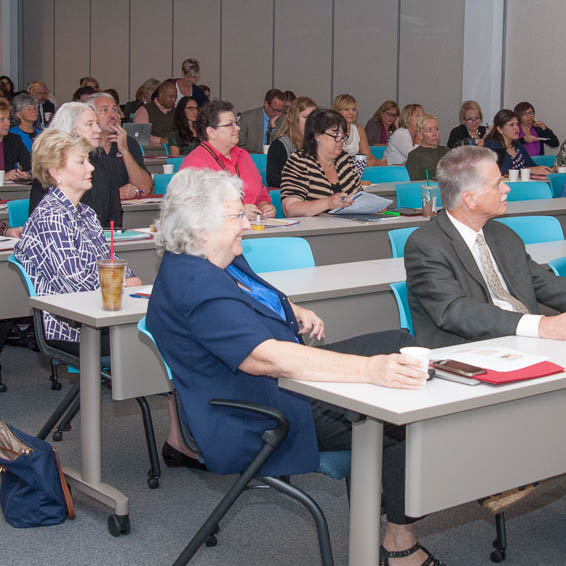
{"x": 68, "y": 114}
{"x": 97, "y": 95}
{"x": 193, "y": 205}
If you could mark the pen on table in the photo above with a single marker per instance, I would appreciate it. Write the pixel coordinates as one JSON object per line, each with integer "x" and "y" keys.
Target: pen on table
{"x": 390, "y": 213}
{"x": 140, "y": 295}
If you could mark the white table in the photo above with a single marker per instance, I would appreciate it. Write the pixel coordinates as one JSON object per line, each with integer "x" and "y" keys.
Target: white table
{"x": 463, "y": 442}
{"x": 14, "y": 191}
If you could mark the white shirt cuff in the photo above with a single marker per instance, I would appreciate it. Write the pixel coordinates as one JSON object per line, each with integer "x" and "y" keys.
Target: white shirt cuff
{"x": 528, "y": 325}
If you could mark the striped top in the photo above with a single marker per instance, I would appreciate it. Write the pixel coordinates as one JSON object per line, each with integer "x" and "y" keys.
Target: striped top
{"x": 303, "y": 177}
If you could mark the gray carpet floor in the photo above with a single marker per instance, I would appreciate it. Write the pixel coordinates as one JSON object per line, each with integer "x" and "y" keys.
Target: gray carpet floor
{"x": 263, "y": 528}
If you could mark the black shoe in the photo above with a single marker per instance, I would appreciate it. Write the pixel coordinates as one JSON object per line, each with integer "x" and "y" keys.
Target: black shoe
{"x": 430, "y": 560}
{"x": 175, "y": 459}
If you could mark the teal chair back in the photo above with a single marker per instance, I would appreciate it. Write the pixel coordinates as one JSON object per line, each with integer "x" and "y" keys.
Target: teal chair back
{"x": 388, "y": 174}
{"x": 18, "y": 211}
{"x": 547, "y": 160}
{"x": 277, "y": 254}
{"x": 161, "y": 181}
{"x": 143, "y": 329}
{"x": 557, "y": 181}
{"x": 398, "y": 239}
{"x": 24, "y": 275}
{"x": 400, "y": 291}
{"x": 535, "y": 229}
{"x": 260, "y": 161}
{"x": 176, "y": 162}
{"x": 409, "y": 195}
{"x": 166, "y": 148}
{"x": 558, "y": 265}
{"x": 377, "y": 150}
{"x": 528, "y": 190}
{"x": 275, "y": 195}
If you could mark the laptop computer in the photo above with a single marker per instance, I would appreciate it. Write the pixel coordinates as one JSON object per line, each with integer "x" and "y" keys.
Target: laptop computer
{"x": 140, "y": 132}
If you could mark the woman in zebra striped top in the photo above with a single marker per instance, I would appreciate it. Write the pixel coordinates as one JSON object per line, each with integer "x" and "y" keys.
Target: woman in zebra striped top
{"x": 322, "y": 175}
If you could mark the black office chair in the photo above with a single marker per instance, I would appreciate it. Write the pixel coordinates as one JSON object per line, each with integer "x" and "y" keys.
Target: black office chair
{"x": 70, "y": 404}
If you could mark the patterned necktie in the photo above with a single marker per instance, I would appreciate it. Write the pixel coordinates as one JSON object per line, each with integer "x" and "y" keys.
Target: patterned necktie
{"x": 493, "y": 281}
{"x": 268, "y": 133}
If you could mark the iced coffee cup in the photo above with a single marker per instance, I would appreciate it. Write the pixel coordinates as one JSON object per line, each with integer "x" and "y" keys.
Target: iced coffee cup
{"x": 429, "y": 195}
{"x": 111, "y": 275}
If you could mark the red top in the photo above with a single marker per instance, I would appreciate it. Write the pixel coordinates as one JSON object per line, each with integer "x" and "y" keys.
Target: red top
{"x": 240, "y": 164}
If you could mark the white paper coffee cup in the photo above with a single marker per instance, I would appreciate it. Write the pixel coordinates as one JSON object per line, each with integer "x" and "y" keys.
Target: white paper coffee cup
{"x": 167, "y": 168}
{"x": 562, "y": 169}
{"x": 265, "y": 148}
{"x": 2, "y": 173}
{"x": 513, "y": 174}
{"x": 525, "y": 174}
{"x": 422, "y": 355}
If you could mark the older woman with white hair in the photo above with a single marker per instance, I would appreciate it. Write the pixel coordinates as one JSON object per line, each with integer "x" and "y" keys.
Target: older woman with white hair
{"x": 225, "y": 332}
{"x": 24, "y": 115}
{"x": 80, "y": 119}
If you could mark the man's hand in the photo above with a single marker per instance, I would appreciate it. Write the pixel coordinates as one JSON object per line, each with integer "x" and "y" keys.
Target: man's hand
{"x": 119, "y": 136}
{"x": 128, "y": 191}
{"x": 553, "y": 327}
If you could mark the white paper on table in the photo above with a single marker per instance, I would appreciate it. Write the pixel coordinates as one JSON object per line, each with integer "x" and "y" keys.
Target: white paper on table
{"x": 496, "y": 359}
{"x": 364, "y": 203}
{"x": 8, "y": 243}
{"x": 145, "y": 290}
{"x": 3, "y": 206}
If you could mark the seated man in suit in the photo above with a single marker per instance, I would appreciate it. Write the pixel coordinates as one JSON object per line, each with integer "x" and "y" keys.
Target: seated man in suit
{"x": 470, "y": 277}
{"x": 258, "y": 127}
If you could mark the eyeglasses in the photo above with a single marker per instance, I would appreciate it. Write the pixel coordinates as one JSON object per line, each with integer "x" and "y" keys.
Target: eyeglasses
{"x": 339, "y": 137}
{"x": 240, "y": 216}
{"x": 530, "y": 112}
{"x": 473, "y": 119}
{"x": 233, "y": 125}
{"x": 392, "y": 115}
{"x": 276, "y": 110}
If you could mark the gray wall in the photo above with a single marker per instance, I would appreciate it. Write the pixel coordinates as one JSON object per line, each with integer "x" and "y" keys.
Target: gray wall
{"x": 408, "y": 50}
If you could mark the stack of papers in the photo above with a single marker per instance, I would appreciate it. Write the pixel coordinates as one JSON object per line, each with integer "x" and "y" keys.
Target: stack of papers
{"x": 364, "y": 203}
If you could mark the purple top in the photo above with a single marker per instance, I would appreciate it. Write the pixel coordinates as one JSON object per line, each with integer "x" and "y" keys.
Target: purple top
{"x": 533, "y": 148}
{"x": 2, "y": 168}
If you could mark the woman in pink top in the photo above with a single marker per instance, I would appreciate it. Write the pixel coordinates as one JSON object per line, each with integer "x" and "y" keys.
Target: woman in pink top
{"x": 218, "y": 131}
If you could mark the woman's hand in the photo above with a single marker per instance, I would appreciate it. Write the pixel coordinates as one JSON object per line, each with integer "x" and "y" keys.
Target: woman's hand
{"x": 268, "y": 210}
{"x": 540, "y": 124}
{"x": 338, "y": 200}
{"x": 16, "y": 175}
{"x": 251, "y": 211}
{"x": 528, "y": 137}
{"x": 310, "y": 323}
{"x": 133, "y": 281}
{"x": 395, "y": 370}
{"x": 14, "y": 232}
{"x": 541, "y": 170}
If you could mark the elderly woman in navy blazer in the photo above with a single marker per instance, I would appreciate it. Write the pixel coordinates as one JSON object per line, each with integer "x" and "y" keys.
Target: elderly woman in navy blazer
{"x": 225, "y": 332}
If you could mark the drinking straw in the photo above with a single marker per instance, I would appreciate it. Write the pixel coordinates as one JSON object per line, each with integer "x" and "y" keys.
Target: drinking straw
{"x": 111, "y": 241}
{"x": 427, "y": 178}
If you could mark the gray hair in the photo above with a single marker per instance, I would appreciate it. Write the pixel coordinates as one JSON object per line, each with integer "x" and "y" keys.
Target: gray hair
{"x": 193, "y": 205}
{"x": 68, "y": 114}
{"x": 97, "y": 95}
{"x": 19, "y": 102}
{"x": 459, "y": 171}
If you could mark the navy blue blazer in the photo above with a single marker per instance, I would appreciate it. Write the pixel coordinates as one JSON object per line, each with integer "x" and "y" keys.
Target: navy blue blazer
{"x": 205, "y": 326}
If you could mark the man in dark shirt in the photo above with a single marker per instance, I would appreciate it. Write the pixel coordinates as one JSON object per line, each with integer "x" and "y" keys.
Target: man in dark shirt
{"x": 45, "y": 108}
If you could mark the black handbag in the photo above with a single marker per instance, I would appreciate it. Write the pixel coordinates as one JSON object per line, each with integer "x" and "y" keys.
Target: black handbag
{"x": 33, "y": 491}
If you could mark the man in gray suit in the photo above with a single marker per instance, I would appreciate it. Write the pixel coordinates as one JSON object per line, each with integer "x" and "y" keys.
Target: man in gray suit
{"x": 259, "y": 126}
{"x": 470, "y": 277}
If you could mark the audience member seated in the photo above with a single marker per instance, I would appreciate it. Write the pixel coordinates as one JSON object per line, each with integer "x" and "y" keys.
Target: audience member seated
{"x": 227, "y": 333}
{"x": 218, "y": 132}
{"x": 160, "y": 112}
{"x": 422, "y": 161}
{"x": 89, "y": 82}
{"x": 15, "y": 159}
{"x": 404, "y": 138}
{"x": 321, "y": 176}
{"x": 206, "y": 90}
{"x": 183, "y": 139}
{"x": 186, "y": 85}
{"x": 9, "y": 89}
{"x": 383, "y": 123}
{"x": 24, "y": 110}
{"x": 289, "y": 140}
{"x": 469, "y": 132}
{"x": 82, "y": 93}
{"x": 356, "y": 141}
{"x": 104, "y": 198}
{"x": 470, "y": 277}
{"x": 45, "y": 108}
{"x": 260, "y": 126}
{"x": 533, "y": 134}
{"x": 504, "y": 140}
{"x": 560, "y": 160}
{"x": 288, "y": 97}
{"x": 143, "y": 95}
{"x": 131, "y": 176}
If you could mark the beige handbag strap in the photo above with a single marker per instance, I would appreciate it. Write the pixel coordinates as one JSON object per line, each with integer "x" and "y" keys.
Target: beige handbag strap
{"x": 66, "y": 492}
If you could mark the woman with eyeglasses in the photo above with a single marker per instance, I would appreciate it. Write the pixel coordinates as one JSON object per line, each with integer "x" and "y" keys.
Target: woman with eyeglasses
{"x": 321, "y": 176}
{"x": 183, "y": 139}
{"x": 533, "y": 134}
{"x": 383, "y": 123}
{"x": 218, "y": 132}
{"x": 470, "y": 131}
{"x": 25, "y": 114}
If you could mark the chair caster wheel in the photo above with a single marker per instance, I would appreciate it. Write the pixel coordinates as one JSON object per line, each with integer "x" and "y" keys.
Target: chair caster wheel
{"x": 210, "y": 541}
{"x": 119, "y": 525}
{"x": 3, "y": 388}
{"x": 153, "y": 482}
{"x": 57, "y": 436}
{"x": 56, "y": 386}
{"x": 497, "y": 556}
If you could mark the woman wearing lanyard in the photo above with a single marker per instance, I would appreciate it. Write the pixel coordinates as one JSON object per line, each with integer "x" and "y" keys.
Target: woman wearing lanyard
{"x": 219, "y": 133}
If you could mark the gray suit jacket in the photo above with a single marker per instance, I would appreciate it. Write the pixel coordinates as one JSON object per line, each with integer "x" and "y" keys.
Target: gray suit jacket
{"x": 448, "y": 296}
{"x": 251, "y": 130}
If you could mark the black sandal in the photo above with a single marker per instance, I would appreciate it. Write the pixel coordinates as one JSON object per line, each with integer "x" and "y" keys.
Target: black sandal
{"x": 387, "y": 554}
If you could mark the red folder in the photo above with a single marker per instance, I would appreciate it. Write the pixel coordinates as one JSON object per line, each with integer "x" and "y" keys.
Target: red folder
{"x": 542, "y": 369}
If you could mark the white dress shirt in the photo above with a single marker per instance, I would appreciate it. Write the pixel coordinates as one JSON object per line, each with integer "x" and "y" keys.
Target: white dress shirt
{"x": 398, "y": 148}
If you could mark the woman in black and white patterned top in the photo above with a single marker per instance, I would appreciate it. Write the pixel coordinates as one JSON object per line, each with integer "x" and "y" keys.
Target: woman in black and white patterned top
{"x": 322, "y": 175}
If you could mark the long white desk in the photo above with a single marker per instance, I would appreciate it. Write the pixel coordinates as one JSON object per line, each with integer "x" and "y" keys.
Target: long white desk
{"x": 463, "y": 442}
{"x": 14, "y": 191}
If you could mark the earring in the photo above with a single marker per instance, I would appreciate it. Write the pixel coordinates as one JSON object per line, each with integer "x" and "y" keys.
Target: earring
{"x": 58, "y": 181}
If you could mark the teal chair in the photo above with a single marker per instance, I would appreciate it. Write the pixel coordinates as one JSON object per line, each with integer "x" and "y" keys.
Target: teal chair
{"x": 528, "y": 190}
{"x": 377, "y": 150}
{"x": 558, "y": 265}
{"x": 161, "y": 181}
{"x": 398, "y": 238}
{"x": 166, "y": 147}
{"x": 260, "y": 161}
{"x": 176, "y": 162}
{"x": 275, "y": 195}
{"x": 18, "y": 211}
{"x": 400, "y": 291}
{"x": 277, "y": 254}
{"x": 557, "y": 181}
{"x": 409, "y": 195}
{"x": 535, "y": 229}
{"x": 388, "y": 174}
{"x": 333, "y": 464}
{"x": 546, "y": 160}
